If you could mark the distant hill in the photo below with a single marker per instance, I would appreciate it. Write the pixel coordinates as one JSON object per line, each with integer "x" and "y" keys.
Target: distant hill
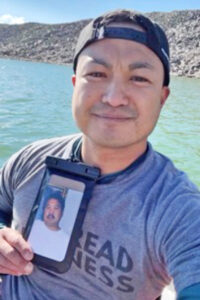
{"x": 55, "y": 43}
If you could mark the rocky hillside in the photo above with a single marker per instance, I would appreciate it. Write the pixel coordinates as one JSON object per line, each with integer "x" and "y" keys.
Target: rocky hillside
{"x": 55, "y": 43}
{"x": 183, "y": 31}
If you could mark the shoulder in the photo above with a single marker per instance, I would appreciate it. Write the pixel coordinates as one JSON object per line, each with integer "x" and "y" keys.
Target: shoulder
{"x": 175, "y": 200}
{"x": 40, "y": 149}
{"x": 172, "y": 197}
{"x": 38, "y": 225}
{"x": 171, "y": 177}
{"x": 30, "y": 159}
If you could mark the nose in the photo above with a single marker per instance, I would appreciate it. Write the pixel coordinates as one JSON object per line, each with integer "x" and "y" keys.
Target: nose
{"x": 51, "y": 210}
{"x": 115, "y": 94}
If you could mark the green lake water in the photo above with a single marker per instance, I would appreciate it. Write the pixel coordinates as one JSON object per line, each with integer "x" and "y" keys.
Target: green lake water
{"x": 35, "y": 103}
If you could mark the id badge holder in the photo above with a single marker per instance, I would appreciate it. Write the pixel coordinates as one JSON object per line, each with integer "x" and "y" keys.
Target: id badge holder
{"x": 55, "y": 222}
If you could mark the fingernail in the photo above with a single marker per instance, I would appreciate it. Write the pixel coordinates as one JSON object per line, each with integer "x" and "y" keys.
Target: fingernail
{"x": 28, "y": 255}
{"x": 29, "y": 268}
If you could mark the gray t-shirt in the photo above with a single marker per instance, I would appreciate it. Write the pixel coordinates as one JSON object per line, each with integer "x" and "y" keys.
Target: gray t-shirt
{"x": 140, "y": 231}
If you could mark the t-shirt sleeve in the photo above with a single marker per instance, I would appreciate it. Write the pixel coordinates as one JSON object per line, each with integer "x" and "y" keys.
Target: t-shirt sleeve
{"x": 181, "y": 239}
{"x": 6, "y": 193}
{"x": 9, "y": 180}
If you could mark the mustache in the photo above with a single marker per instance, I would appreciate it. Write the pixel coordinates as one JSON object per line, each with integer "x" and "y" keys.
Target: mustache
{"x": 104, "y": 109}
{"x": 50, "y": 216}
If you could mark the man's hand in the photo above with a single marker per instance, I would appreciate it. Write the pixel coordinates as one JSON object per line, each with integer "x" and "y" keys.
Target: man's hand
{"x": 15, "y": 253}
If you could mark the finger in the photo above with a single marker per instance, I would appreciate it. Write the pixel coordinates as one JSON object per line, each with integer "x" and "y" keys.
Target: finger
{"x": 7, "y": 267}
{"x": 16, "y": 240}
{"x": 10, "y": 271}
{"x": 11, "y": 259}
{"x": 4, "y": 270}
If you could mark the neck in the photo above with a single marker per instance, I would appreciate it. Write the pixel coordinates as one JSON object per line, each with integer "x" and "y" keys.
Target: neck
{"x": 110, "y": 160}
{"x": 53, "y": 228}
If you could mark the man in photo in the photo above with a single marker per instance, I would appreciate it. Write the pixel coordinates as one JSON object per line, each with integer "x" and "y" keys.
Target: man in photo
{"x": 53, "y": 211}
{"x": 47, "y": 237}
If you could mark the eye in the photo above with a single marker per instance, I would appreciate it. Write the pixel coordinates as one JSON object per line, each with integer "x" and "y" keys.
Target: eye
{"x": 139, "y": 79}
{"x": 96, "y": 74}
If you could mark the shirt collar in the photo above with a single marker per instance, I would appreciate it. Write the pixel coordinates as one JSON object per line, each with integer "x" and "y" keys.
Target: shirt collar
{"x": 108, "y": 178}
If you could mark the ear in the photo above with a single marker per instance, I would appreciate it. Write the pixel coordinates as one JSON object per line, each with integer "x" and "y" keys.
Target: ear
{"x": 164, "y": 95}
{"x": 73, "y": 79}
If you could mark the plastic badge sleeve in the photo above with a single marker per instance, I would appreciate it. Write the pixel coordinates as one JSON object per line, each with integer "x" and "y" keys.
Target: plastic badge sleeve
{"x": 55, "y": 223}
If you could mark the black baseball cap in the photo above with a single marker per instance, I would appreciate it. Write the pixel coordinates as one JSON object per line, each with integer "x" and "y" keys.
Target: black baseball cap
{"x": 153, "y": 36}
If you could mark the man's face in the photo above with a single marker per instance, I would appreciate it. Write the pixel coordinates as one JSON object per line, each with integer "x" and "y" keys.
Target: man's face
{"x": 118, "y": 92}
{"x": 52, "y": 214}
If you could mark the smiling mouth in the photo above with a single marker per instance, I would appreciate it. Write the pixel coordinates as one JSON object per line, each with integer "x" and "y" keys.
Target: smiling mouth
{"x": 113, "y": 117}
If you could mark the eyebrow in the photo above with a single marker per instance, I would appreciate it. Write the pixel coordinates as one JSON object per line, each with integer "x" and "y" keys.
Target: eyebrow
{"x": 140, "y": 65}
{"x": 132, "y": 66}
{"x": 100, "y": 61}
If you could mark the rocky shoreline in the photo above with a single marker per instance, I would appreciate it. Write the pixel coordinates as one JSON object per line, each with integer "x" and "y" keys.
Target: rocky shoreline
{"x": 55, "y": 43}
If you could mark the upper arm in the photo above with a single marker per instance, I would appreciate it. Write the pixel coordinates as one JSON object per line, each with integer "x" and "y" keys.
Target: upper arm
{"x": 5, "y": 190}
{"x": 177, "y": 238}
{"x": 9, "y": 179}
{"x": 182, "y": 247}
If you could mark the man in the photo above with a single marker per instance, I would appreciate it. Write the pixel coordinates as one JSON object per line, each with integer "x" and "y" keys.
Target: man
{"x": 142, "y": 226}
{"x": 46, "y": 237}
{"x": 53, "y": 211}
